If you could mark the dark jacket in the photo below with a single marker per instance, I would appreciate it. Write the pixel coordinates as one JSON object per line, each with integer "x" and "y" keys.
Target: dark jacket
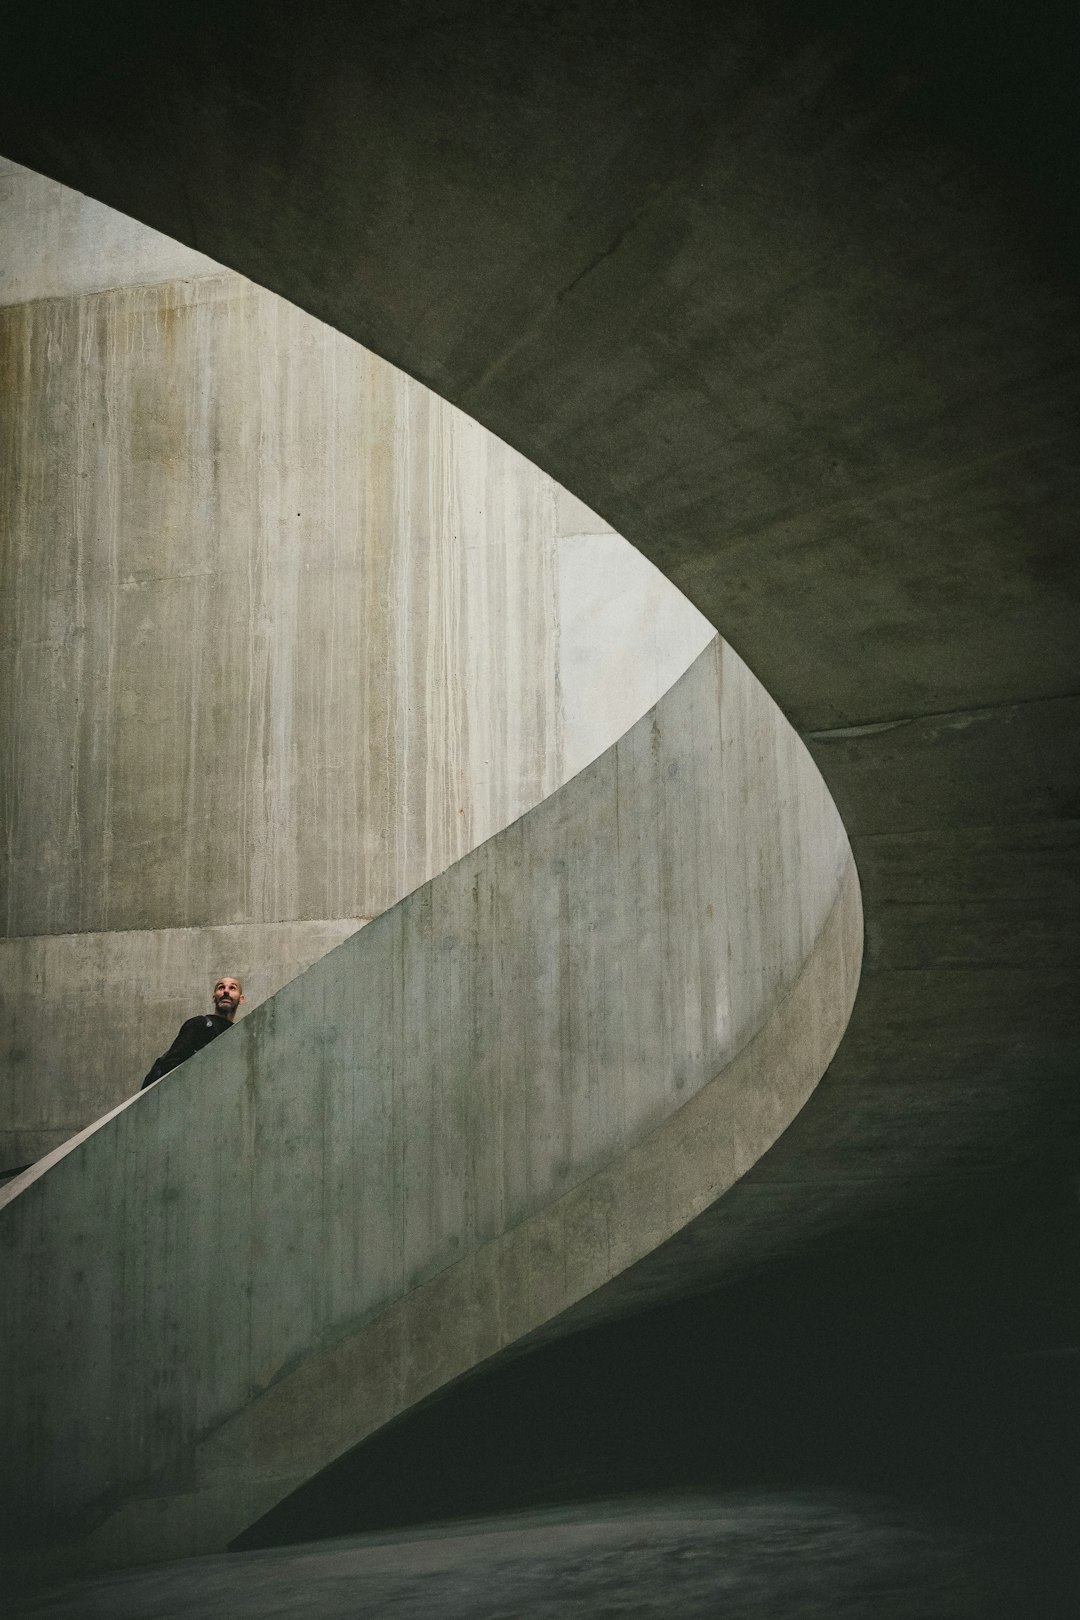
{"x": 193, "y": 1035}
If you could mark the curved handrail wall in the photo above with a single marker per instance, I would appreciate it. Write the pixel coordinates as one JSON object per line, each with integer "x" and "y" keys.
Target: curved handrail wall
{"x": 513, "y": 1084}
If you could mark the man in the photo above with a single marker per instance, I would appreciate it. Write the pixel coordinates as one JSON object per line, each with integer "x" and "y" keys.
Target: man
{"x": 196, "y": 1033}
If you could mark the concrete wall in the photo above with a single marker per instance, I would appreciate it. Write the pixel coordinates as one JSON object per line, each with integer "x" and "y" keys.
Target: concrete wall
{"x": 282, "y": 636}
{"x": 477, "y": 1110}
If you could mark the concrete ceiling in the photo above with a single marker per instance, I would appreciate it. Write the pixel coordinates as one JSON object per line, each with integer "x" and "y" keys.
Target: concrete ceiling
{"x": 787, "y": 297}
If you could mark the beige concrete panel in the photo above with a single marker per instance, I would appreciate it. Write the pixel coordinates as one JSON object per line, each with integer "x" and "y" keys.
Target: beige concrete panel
{"x": 57, "y": 242}
{"x": 281, "y": 632}
{"x": 83, "y": 1016}
{"x": 471, "y": 1069}
{"x": 618, "y": 611}
{"x": 573, "y": 517}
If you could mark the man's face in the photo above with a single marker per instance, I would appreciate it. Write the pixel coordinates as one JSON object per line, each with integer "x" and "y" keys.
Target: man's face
{"x": 227, "y": 997}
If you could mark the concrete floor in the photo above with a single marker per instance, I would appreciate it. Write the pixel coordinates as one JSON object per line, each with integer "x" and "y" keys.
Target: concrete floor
{"x": 738, "y": 1556}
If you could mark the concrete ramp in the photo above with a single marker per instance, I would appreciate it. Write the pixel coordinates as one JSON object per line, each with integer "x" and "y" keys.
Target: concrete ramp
{"x": 502, "y": 1093}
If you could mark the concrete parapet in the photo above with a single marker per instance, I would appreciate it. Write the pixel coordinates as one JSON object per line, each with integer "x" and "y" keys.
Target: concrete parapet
{"x": 491, "y": 1100}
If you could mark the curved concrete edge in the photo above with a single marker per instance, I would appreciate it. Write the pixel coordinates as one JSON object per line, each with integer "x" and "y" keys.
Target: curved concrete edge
{"x": 34, "y": 1172}
{"x": 506, "y": 1290}
{"x": 474, "y": 1113}
{"x": 79, "y": 1057}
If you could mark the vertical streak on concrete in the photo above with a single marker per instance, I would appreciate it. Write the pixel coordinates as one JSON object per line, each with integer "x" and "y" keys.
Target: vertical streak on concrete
{"x": 280, "y": 637}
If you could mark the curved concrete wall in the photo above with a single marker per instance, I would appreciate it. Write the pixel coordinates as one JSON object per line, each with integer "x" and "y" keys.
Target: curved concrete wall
{"x": 471, "y": 1114}
{"x": 282, "y": 636}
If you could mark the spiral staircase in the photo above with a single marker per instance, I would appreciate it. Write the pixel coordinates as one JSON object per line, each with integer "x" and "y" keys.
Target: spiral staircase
{"x": 777, "y": 296}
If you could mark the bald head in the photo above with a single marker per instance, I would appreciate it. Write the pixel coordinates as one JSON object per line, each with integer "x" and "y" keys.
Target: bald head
{"x": 228, "y": 994}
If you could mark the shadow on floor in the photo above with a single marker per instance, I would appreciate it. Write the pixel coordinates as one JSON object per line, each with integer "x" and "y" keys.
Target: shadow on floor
{"x": 941, "y": 1373}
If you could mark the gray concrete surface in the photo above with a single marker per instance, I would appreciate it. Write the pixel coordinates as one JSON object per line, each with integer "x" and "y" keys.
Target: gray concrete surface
{"x": 57, "y": 242}
{"x": 469, "y": 1116}
{"x": 82, "y": 1016}
{"x": 282, "y": 637}
{"x": 778, "y": 1558}
{"x": 789, "y": 302}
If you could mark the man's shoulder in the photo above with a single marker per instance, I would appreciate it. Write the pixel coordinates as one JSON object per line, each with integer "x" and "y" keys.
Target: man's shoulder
{"x": 202, "y": 1023}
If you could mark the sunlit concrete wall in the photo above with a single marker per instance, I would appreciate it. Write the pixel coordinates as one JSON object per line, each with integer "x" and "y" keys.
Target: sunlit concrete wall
{"x": 282, "y": 636}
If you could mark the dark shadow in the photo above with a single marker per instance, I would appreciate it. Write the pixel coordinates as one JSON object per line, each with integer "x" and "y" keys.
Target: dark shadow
{"x": 943, "y": 1371}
